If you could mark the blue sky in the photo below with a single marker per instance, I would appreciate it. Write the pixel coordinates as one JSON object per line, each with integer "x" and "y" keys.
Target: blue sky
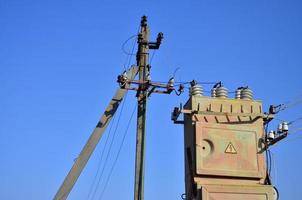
{"x": 59, "y": 61}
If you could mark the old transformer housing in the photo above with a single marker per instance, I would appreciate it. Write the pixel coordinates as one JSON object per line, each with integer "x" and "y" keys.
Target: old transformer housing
{"x": 224, "y": 155}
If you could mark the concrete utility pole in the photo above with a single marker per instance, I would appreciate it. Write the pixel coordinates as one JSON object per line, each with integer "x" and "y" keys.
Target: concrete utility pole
{"x": 144, "y": 90}
{"x": 142, "y": 62}
{"x": 93, "y": 140}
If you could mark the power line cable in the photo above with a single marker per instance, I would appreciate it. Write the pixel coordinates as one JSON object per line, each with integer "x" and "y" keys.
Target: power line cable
{"x": 268, "y": 158}
{"x": 270, "y": 163}
{"x": 123, "y": 45}
{"x": 118, "y": 153}
{"x": 129, "y": 56}
{"x": 101, "y": 158}
{"x": 291, "y": 139}
{"x": 174, "y": 73}
{"x": 289, "y": 104}
{"x": 188, "y": 82}
{"x": 296, "y": 130}
{"x": 294, "y": 121}
{"x": 152, "y": 56}
{"x": 110, "y": 146}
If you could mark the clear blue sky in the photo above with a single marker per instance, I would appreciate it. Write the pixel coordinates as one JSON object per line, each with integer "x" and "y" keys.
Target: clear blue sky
{"x": 58, "y": 66}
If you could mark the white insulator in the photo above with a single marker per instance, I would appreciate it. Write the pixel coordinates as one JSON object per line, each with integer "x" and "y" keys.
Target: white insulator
{"x": 125, "y": 75}
{"x": 221, "y": 92}
{"x": 284, "y": 127}
{"x": 171, "y": 82}
{"x": 247, "y": 94}
{"x": 238, "y": 93}
{"x": 148, "y": 78}
{"x": 196, "y": 90}
{"x": 213, "y": 92}
{"x": 271, "y": 135}
{"x": 280, "y": 128}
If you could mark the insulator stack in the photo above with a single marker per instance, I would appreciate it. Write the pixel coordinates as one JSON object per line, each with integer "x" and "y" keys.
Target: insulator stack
{"x": 213, "y": 92}
{"x": 221, "y": 92}
{"x": 196, "y": 90}
{"x": 238, "y": 93}
{"x": 171, "y": 82}
{"x": 284, "y": 127}
{"x": 271, "y": 135}
{"x": 246, "y": 93}
{"x": 280, "y": 128}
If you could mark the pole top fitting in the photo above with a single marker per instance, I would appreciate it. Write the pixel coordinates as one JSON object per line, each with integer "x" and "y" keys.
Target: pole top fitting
{"x": 144, "y": 21}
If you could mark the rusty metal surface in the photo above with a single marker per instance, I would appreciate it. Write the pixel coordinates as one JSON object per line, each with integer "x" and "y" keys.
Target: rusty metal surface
{"x": 230, "y": 192}
{"x": 224, "y": 137}
{"x": 228, "y": 150}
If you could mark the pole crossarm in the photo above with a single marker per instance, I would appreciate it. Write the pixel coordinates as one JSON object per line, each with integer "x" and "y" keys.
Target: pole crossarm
{"x": 93, "y": 140}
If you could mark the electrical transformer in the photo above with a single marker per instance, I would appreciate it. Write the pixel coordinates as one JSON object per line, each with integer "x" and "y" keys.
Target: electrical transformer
{"x": 224, "y": 147}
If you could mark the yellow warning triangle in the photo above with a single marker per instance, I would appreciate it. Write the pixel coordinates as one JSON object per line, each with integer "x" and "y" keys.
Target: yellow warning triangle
{"x": 230, "y": 149}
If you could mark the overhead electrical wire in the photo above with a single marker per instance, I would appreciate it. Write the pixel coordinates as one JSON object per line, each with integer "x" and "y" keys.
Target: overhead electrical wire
{"x": 290, "y": 122}
{"x": 270, "y": 164}
{"x": 297, "y": 137}
{"x": 129, "y": 55}
{"x": 152, "y": 56}
{"x": 296, "y": 101}
{"x": 110, "y": 147}
{"x": 275, "y": 168}
{"x": 296, "y": 130}
{"x": 101, "y": 158}
{"x": 174, "y": 73}
{"x": 188, "y": 82}
{"x": 118, "y": 153}
{"x": 268, "y": 159}
{"x": 294, "y": 121}
{"x": 123, "y": 45}
{"x": 127, "y": 61}
{"x": 289, "y": 104}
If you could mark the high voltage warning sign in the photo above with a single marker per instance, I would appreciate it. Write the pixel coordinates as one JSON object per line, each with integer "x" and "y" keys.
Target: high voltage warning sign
{"x": 230, "y": 149}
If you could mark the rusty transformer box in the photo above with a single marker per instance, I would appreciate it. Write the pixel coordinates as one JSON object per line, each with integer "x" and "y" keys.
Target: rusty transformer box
{"x": 224, "y": 156}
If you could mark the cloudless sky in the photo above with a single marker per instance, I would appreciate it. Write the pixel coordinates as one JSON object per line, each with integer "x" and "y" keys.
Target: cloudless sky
{"x": 58, "y": 66}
